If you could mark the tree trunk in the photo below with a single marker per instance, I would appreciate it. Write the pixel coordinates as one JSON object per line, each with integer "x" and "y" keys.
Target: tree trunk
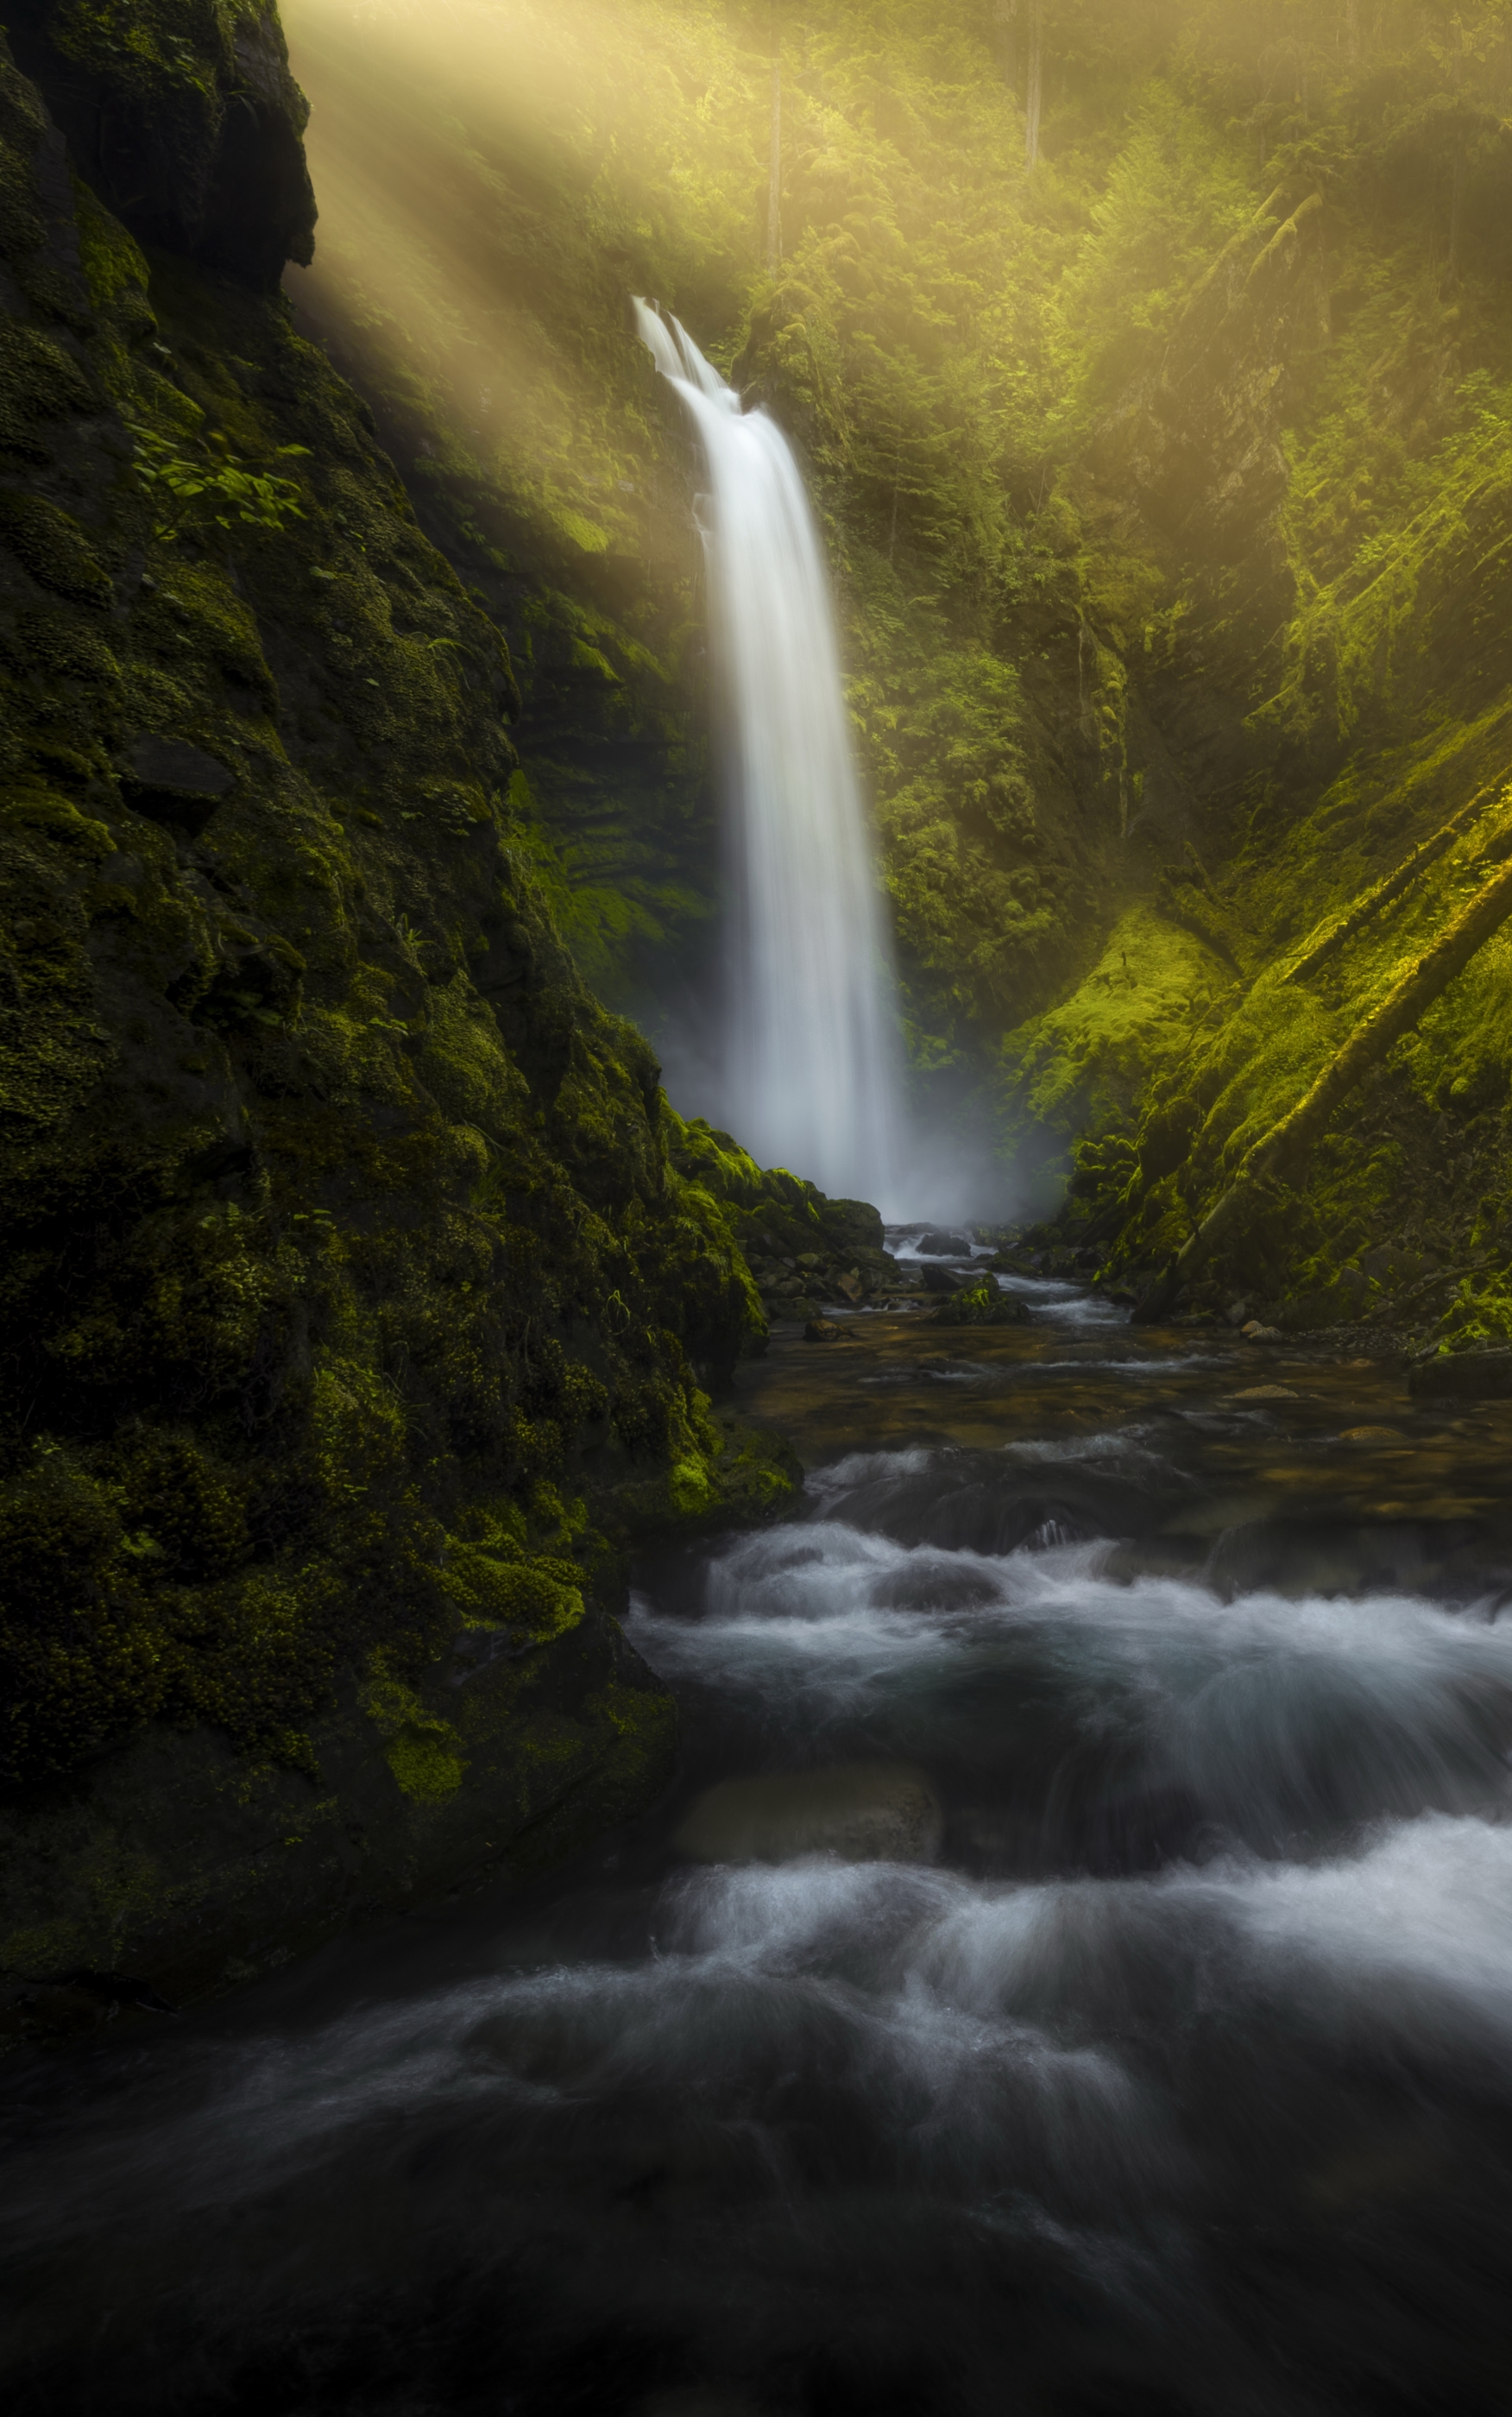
{"x": 774, "y": 188}
{"x": 1008, "y": 35}
{"x": 1288, "y": 1140}
{"x": 1375, "y": 900}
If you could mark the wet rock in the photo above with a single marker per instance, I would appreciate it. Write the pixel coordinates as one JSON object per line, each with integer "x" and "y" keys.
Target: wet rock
{"x": 824, "y": 1329}
{"x": 1467, "y": 1376}
{"x": 1372, "y": 1434}
{"x": 1329, "y": 1557}
{"x": 1255, "y": 1332}
{"x": 697, "y": 2400}
{"x": 939, "y": 1244}
{"x": 172, "y": 783}
{"x": 982, "y": 1304}
{"x": 863, "y": 1811}
{"x": 940, "y": 1280}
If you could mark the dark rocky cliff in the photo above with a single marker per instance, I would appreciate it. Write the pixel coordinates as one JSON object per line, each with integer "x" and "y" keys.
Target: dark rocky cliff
{"x": 356, "y": 1317}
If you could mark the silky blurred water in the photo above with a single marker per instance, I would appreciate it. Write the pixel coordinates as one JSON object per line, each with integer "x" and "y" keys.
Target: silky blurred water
{"x": 813, "y": 1053}
{"x": 1180, "y": 2082}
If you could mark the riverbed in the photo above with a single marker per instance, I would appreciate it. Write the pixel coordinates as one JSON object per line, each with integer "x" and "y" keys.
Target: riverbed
{"x": 1163, "y": 2065}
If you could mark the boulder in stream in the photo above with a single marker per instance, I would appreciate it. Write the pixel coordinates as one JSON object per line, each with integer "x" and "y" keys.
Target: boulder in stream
{"x": 982, "y": 1304}
{"x": 863, "y": 1811}
{"x": 940, "y": 1280}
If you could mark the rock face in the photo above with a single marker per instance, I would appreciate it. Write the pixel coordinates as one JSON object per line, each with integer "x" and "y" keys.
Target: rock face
{"x": 189, "y": 130}
{"x": 863, "y": 1812}
{"x": 356, "y": 1311}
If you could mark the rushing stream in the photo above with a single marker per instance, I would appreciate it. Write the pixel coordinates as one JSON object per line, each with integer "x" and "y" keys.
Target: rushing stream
{"x": 1172, "y": 2072}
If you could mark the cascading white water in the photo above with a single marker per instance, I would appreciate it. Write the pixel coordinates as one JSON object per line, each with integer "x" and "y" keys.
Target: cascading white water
{"x": 814, "y": 1069}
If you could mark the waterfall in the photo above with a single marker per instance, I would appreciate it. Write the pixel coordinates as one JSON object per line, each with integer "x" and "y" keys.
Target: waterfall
{"x": 814, "y": 1074}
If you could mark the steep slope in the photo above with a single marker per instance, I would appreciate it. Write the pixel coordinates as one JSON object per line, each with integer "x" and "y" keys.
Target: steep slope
{"x": 356, "y": 1317}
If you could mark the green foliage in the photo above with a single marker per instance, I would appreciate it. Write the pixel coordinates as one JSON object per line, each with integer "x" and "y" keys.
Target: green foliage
{"x": 214, "y": 488}
{"x": 396, "y": 1319}
{"x": 1210, "y": 405}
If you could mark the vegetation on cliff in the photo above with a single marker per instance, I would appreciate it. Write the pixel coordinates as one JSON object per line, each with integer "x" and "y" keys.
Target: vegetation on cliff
{"x": 1166, "y": 481}
{"x": 361, "y": 1298}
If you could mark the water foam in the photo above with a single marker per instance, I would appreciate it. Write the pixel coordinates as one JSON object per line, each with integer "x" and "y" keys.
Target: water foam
{"x": 1274, "y": 1718}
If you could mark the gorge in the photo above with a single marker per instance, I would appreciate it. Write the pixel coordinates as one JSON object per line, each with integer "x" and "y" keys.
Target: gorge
{"x": 622, "y": 1788}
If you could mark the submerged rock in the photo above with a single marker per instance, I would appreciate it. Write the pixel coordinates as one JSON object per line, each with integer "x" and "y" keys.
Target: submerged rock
{"x": 863, "y": 1811}
{"x": 1466, "y": 1376}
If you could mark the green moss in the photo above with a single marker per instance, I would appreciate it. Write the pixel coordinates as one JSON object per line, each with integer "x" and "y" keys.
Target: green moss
{"x": 424, "y": 1764}
{"x": 1141, "y": 1009}
{"x": 982, "y": 1304}
{"x": 397, "y": 1312}
{"x": 113, "y": 263}
{"x": 53, "y": 547}
{"x": 535, "y": 1598}
{"x": 422, "y": 1750}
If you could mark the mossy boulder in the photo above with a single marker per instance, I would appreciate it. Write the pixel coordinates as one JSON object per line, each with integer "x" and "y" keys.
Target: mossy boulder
{"x": 796, "y": 1240}
{"x": 982, "y": 1304}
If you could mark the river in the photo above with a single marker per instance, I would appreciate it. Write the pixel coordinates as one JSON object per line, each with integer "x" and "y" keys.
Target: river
{"x": 1170, "y": 2077}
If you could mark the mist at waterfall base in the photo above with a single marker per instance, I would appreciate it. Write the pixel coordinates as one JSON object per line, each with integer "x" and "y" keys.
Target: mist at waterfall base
{"x": 1181, "y": 2086}
{"x": 809, "y": 1069}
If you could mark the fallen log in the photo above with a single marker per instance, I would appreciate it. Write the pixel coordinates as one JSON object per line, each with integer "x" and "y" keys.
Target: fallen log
{"x": 1390, "y": 887}
{"x": 1288, "y": 1140}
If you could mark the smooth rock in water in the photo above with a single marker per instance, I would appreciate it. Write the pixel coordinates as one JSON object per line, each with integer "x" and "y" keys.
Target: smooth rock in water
{"x": 941, "y": 1280}
{"x": 824, "y": 1329}
{"x": 863, "y": 1811}
{"x": 939, "y": 1245}
{"x": 1372, "y": 1434}
{"x": 1266, "y": 1394}
{"x": 1255, "y": 1332}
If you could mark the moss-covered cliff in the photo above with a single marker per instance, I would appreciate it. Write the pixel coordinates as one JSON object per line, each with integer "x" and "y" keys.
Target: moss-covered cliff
{"x": 358, "y": 1310}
